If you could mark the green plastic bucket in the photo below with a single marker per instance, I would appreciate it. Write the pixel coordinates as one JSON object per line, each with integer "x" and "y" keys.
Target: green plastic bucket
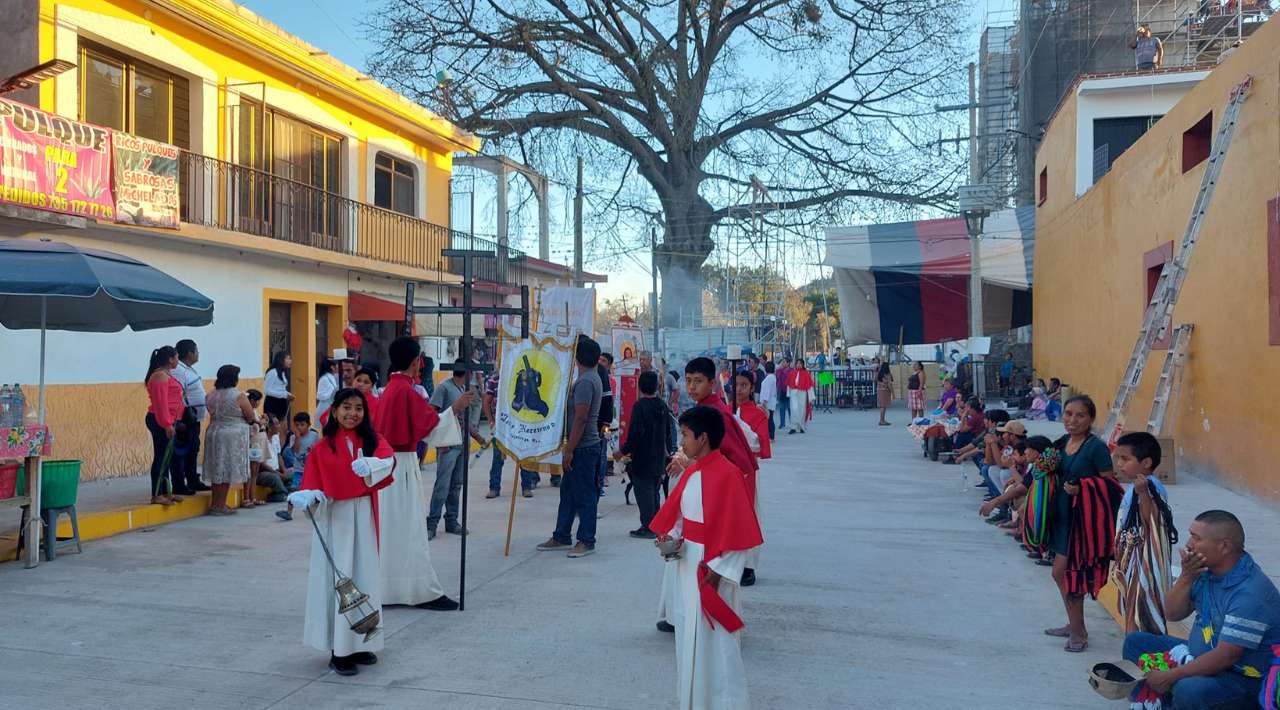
{"x": 60, "y": 483}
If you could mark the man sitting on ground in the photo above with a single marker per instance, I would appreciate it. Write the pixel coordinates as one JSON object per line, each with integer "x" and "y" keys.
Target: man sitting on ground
{"x": 1237, "y": 622}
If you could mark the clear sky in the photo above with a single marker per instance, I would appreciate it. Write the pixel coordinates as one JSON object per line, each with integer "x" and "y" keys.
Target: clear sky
{"x": 335, "y": 26}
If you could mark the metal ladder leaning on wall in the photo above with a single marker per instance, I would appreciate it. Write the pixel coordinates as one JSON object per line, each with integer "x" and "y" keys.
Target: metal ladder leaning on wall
{"x": 1169, "y": 374}
{"x": 1156, "y": 320}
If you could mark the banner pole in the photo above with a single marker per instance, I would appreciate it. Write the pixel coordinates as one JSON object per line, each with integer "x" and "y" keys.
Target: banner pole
{"x": 511, "y": 514}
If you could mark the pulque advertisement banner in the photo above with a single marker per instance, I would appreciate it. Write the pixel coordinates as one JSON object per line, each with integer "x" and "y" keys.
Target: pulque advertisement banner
{"x": 52, "y": 163}
{"x": 533, "y": 387}
{"x": 146, "y": 181}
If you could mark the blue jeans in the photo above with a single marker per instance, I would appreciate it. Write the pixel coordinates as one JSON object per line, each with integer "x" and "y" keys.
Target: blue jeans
{"x": 602, "y": 469}
{"x": 772, "y": 429}
{"x": 527, "y": 477}
{"x": 579, "y": 497}
{"x": 784, "y": 406}
{"x": 445, "y": 494}
{"x": 1225, "y": 691}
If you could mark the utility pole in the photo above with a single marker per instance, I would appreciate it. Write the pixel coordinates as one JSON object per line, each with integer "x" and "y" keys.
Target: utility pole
{"x": 577, "y": 230}
{"x": 975, "y": 243}
{"x": 653, "y": 299}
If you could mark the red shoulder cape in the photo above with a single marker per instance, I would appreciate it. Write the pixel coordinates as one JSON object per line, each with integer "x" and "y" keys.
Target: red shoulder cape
{"x": 404, "y": 418}
{"x": 729, "y": 524}
{"x": 328, "y": 468}
{"x": 734, "y": 446}
{"x": 758, "y": 420}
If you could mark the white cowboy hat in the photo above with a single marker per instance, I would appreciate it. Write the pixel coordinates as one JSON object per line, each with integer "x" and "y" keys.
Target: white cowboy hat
{"x": 341, "y": 354}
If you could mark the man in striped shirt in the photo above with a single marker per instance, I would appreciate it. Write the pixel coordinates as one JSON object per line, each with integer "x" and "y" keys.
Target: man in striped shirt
{"x": 1237, "y": 608}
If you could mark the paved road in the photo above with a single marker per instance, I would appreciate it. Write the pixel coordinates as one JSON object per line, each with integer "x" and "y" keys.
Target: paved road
{"x": 879, "y": 588}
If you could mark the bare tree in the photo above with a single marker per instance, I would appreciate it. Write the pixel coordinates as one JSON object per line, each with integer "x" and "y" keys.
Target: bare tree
{"x": 701, "y": 110}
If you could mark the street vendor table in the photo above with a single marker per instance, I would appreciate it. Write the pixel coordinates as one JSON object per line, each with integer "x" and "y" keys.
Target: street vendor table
{"x": 27, "y": 444}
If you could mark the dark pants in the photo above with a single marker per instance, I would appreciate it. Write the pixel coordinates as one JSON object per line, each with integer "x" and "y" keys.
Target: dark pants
{"x": 162, "y": 481}
{"x": 278, "y": 406}
{"x": 772, "y": 429}
{"x": 1225, "y": 691}
{"x": 579, "y": 497}
{"x": 527, "y": 478}
{"x": 190, "y": 473}
{"x": 447, "y": 492}
{"x": 784, "y": 405}
{"x": 646, "y": 490}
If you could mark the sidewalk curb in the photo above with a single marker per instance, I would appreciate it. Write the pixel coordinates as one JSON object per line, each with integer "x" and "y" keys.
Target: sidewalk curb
{"x": 106, "y": 523}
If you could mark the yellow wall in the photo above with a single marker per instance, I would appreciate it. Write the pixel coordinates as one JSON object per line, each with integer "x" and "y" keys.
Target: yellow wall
{"x": 256, "y": 52}
{"x": 1090, "y": 281}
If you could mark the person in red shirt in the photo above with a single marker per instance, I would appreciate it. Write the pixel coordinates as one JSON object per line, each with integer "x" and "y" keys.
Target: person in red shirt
{"x": 799, "y": 392}
{"x": 164, "y": 412}
{"x": 343, "y": 474}
{"x": 700, "y": 380}
{"x": 751, "y": 413}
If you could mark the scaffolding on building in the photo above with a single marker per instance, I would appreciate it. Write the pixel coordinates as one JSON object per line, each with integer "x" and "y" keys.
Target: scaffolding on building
{"x": 1058, "y": 40}
{"x": 998, "y": 67}
{"x": 753, "y": 289}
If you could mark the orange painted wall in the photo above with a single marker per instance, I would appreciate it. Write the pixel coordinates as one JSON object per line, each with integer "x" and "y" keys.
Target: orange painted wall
{"x": 1090, "y": 281}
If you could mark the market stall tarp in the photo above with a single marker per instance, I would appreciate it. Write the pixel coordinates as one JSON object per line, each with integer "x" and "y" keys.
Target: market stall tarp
{"x": 910, "y": 280}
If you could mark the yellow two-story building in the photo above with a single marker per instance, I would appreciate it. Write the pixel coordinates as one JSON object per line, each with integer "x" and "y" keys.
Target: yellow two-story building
{"x": 309, "y": 196}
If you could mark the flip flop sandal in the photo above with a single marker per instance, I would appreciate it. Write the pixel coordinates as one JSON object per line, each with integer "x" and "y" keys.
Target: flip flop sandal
{"x": 1060, "y": 632}
{"x": 1076, "y": 646}
{"x": 247, "y": 504}
{"x": 1044, "y": 563}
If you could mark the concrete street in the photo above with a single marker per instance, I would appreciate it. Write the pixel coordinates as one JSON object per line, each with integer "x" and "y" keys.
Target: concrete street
{"x": 880, "y": 587}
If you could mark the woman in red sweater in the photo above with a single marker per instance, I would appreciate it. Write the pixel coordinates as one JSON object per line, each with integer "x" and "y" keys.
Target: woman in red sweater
{"x": 165, "y": 411}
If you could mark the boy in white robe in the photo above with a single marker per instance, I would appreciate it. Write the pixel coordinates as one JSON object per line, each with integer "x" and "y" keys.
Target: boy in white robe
{"x": 710, "y": 512}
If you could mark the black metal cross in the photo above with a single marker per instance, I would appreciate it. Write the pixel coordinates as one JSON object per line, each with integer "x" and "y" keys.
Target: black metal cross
{"x": 467, "y": 310}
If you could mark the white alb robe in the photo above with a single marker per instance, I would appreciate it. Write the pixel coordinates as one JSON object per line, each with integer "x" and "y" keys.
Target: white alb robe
{"x": 668, "y": 590}
{"x": 799, "y": 400}
{"x": 710, "y": 673}
{"x": 407, "y": 574}
{"x": 347, "y": 526}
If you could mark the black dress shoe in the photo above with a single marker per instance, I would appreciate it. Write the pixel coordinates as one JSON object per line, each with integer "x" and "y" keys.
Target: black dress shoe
{"x": 441, "y": 603}
{"x": 200, "y": 488}
{"x": 666, "y": 628}
{"x": 643, "y": 534}
{"x": 363, "y": 658}
{"x": 183, "y": 491}
{"x": 343, "y": 665}
{"x": 748, "y": 577}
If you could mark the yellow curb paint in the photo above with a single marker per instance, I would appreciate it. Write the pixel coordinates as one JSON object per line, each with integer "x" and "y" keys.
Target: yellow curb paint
{"x": 106, "y": 523}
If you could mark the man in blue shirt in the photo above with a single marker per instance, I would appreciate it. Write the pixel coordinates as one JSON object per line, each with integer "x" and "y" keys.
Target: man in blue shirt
{"x": 1237, "y": 621}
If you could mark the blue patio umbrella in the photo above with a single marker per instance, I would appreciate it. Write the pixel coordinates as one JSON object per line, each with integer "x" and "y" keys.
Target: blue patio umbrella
{"x": 54, "y": 286}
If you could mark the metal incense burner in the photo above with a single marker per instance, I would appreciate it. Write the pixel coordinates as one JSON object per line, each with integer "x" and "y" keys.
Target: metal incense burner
{"x": 352, "y": 603}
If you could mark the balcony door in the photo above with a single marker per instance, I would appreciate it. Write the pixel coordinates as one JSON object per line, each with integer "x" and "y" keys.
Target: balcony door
{"x": 301, "y": 204}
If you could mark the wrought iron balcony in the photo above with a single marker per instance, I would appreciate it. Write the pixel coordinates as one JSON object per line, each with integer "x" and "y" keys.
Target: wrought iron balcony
{"x": 223, "y": 195}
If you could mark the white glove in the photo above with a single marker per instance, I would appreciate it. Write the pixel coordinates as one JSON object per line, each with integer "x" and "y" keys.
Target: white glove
{"x": 1181, "y": 654}
{"x": 307, "y": 498}
{"x": 361, "y": 467}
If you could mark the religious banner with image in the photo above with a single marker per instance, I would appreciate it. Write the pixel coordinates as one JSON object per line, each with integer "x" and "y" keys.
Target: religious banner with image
{"x": 628, "y": 341}
{"x": 533, "y": 385}
{"x": 145, "y": 181}
{"x": 52, "y": 163}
